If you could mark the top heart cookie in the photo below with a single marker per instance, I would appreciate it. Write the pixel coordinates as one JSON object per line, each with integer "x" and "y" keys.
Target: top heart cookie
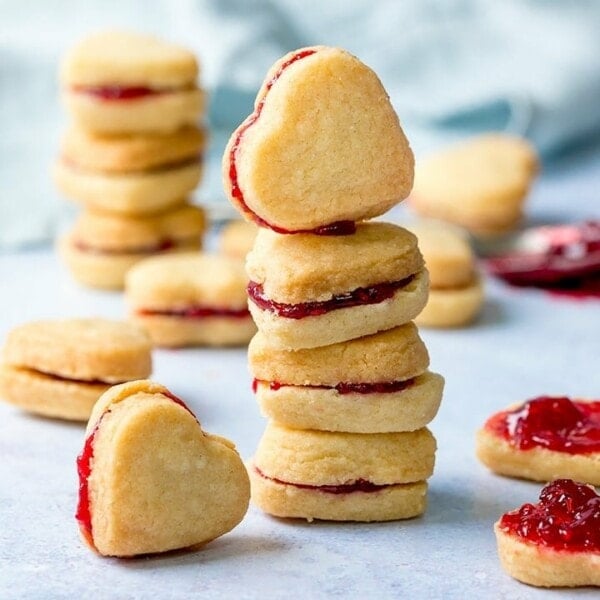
{"x": 323, "y": 145}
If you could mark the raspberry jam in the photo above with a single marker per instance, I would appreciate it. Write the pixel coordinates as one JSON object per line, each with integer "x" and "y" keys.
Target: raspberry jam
{"x": 383, "y": 387}
{"x": 84, "y": 470}
{"x": 567, "y": 517}
{"x": 197, "y": 312}
{"x": 336, "y": 228}
{"x": 558, "y": 424}
{"x": 116, "y": 92}
{"x": 360, "y": 485}
{"x": 161, "y": 246}
{"x": 358, "y": 297}
{"x": 564, "y": 260}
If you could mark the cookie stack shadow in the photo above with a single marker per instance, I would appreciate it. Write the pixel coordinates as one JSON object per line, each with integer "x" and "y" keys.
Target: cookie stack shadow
{"x": 132, "y": 155}
{"x": 338, "y": 365}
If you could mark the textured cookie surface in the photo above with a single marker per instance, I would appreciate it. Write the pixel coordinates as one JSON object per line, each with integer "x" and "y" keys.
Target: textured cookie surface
{"x": 305, "y": 267}
{"x": 326, "y": 122}
{"x": 157, "y": 481}
{"x": 119, "y": 57}
{"x": 86, "y": 349}
{"x": 480, "y": 183}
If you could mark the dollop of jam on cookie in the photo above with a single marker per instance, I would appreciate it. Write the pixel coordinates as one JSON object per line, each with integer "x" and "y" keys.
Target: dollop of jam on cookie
{"x": 358, "y": 297}
{"x": 84, "y": 470}
{"x": 555, "y": 423}
{"x": 567, "y": 517}
{"x": 360, "y": 485}
{"x": 197, "y": 312}
{"x": 382, "y": 387}
{"x": 337, "y": 228}
{"x": 564, "y": 260}
{"x": 118, "y": 92}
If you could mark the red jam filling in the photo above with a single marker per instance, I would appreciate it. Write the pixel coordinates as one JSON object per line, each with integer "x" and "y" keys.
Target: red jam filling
{"x": 84, "y": 470}
{"x": 566, "y": 261}
{"x": 161, "y": 246}
{"x": 358, "y": 297}
{"x": 197, "y": 312}
{"x": 117, "y": 92}
{"x": 360, "y": 485}
{"x": 567, "y": 517}
{"x": 336, "y": 228}
{"x": 383, "y": 387}
{"x": 558, "y": 424}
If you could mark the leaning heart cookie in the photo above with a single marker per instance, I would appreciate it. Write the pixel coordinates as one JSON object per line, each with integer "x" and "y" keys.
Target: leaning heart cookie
{"x": 150, "y": 480}
{"x": 323, "y": 145}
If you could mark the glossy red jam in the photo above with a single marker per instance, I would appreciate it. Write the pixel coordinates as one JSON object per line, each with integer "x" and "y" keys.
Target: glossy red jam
{"x": 161, "y": 246}
{"x": 358, "y": 297}
{"x": 565, "y": 261}
{"x": 84, "y": 469}
{"x": 558, "y": 424}
{"x": 382, "y": 387}
{"x": 197, "y": 312}
{"x": 567, "y": 517}
{"x": 118, "y": 92}
{"x": 336, "y": 228}
{"x": 360, "y": 485}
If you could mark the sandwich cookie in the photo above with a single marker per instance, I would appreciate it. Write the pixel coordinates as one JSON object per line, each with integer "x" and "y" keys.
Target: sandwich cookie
{"x": 307, "y": 290}
{"x": 102, "y": 247}
{"x": 374, "y": 384}
{"x": 151, "y": 480}
{"x": 456, "y": 291}
{"x": 480, "y": 184}
{"x": 237, "y": 238}
{"x": 60, "y": 368}
{"x": 556, "y": 542}
{"x": 190, "y": 300}
{"x": 322, "y": 149}
{"x": 123, "y": 82}
{"x": 342, "y": 476}
{"x": 130, "y": 175}
{"x": 543, "y": 439}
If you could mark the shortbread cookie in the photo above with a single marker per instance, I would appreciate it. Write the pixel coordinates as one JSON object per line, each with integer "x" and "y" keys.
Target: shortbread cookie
{"x": 322, "y": 146}
{"x": 307, "y": 290}
{"x": 555, "y": 543}
{"x": 60, "y": 368}
{"x": 480, "y": 184}
{"x": 342, "y": 476}
{"x": 102, "y": 247}
{"x": 372, "y": 384}
{"x": 122, "y": 82}
{"x": 456, "y": 291}
{"x": 151, "y": 480}
{"x": 136, "y": 152}
{"x": 237, "y": 238}
{"x": 543, "y": 439}
{"x": 137, "y": 193}
{"x": 190, "y": 300}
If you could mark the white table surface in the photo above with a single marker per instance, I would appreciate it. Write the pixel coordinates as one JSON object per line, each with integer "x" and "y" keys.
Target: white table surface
{"x": 526, "y": 344}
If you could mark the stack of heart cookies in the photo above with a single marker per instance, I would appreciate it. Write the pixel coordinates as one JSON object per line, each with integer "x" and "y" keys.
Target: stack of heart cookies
{"x": 132, "y": 156}
{"x": 339, "y": 368}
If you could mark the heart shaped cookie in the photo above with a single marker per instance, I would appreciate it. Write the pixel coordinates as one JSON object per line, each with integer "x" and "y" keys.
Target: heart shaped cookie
{"x": 322, "y": 146}
{"x": 151, "y": 480}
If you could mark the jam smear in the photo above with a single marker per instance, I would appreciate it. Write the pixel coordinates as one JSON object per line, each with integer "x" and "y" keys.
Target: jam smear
{"x": 382, "y": 387}
{"x": 336, "y": 228}
{"x": 118, "y": 92}
{"x": 555, "y": 423}
{"x": 360, "y": 485}
{"x": 565, "y": 261}
{"x": 197, "y": 312}
{"x": 567, "y": 518}
{"x": 161, "y": 246}
{"x": 84, "y": 470}
{"x": 358, "y": 297}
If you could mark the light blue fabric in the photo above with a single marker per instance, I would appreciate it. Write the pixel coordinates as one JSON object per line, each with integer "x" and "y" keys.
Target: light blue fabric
{"x": 452, "y": 67}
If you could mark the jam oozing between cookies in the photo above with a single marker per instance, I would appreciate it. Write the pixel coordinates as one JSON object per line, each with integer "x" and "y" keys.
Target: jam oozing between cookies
{"x": 566, "y": 518}
{"x": 197, "y": 312}
{"x": 117, "y": 92}
{"x": 343, "y": 388}
{"x": 336, "y": 228}
{"x": 358, "y": 297}
{"x": 360, "y": 485}
{"x": 555, "y": 423}
{"x": 162, "y": 246}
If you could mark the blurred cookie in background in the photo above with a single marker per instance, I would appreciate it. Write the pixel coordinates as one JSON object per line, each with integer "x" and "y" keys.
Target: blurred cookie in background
{"x": 237, "y": 238}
